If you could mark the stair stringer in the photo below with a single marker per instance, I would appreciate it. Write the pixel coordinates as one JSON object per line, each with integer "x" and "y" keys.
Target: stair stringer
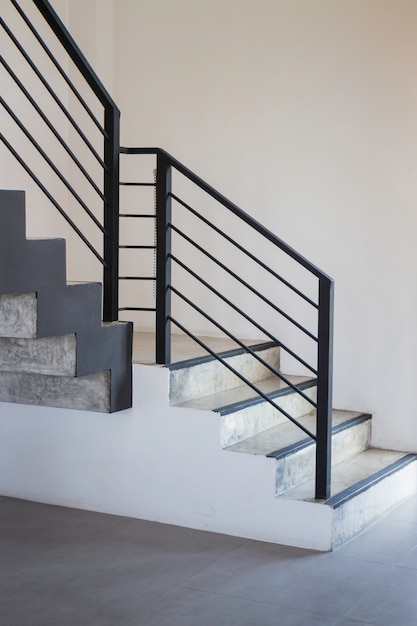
{"x": 37, "y": 268}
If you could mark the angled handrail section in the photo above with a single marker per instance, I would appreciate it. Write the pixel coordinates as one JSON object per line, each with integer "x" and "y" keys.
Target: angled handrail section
{"x": 105, "y": 151}
{"x": 169, "y": 257}
{"x": 172, "y": 235}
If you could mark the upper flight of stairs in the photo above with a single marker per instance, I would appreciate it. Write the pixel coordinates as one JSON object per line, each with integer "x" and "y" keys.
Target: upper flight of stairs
{"x": 54, "y": 348}
{"x": 366, "y": 482}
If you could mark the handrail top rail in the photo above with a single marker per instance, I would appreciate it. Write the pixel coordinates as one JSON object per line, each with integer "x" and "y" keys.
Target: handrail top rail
{"x": 200, "y": 182}
{"x": 80, "y": 61}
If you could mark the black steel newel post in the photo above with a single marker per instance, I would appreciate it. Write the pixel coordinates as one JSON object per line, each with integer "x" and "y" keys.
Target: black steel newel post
{"x": 324, "y": 389}
{"x": 163, "y": 259}
{"x": 111, "y": 215}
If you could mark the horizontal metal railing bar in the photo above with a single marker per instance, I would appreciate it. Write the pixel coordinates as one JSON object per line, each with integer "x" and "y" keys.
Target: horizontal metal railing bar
{"x": 122, "y": 247}
{"x": 52, "y": 128}
{"x": 245, "y": 251}
{"x": 75, "y": 54}
{"x": 245, "y": 315}
{"x": 59, "y": 68}
{"x": 52, "y": 165}
{"x": 242, "y": 378}
{"x": 124, "y": 184}
{"x": 52, "y": 199}
{"x": 137, "y": 277}
{"x": 232, "y": 207}
{"x": 136, "y": 308}
{"x": 242, "y": 345}
{"x": 137, "y": 215}
{"x": 53, "y": 94}
{"x": 246, "y": 284}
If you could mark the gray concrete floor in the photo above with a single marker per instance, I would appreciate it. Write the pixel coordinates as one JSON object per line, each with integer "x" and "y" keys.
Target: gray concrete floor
{"x": 62, "y": 567}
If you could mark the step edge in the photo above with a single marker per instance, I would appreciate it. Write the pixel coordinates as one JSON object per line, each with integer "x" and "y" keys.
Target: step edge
{"x": 367, "y": 483}
{"x": 226, "y": 354}
{"x": 244, "y": 404}
{"x": 307, "y": 441}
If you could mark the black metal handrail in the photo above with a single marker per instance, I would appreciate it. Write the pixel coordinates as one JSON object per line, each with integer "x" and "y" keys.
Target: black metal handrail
{"x": 108, "y": 160}
{"x": 166, "y": 227}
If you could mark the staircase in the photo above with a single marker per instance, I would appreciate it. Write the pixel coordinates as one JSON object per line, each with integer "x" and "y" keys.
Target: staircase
{"x": 248, "y": 446}
{"x": 366, "y": 482}
{"x": 54, "y": 349}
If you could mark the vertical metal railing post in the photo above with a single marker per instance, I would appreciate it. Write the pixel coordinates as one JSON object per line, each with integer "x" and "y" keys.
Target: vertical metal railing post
{"x": 163, "y": 259}
{"x": 324, "y": 389}
{"x": 111, "y": 215}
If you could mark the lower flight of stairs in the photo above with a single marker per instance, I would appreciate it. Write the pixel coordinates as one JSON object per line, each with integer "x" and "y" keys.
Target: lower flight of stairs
{"x": 366, "y": 482}
{"x": 54, "y": 348}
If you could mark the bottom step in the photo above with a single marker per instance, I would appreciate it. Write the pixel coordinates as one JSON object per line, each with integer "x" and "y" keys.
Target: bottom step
{"x": 365, "y": 487}
{"x": 86, "y": 393}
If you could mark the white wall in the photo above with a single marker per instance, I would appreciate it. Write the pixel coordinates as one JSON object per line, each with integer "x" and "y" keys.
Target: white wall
{"x": 303, "y": 113}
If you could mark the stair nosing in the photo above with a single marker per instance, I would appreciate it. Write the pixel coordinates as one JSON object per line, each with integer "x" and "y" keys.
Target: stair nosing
{"x": 363, "y": 485}
{"x": 307, "y": 441}
{"x": 243, "y": 404}
{"x": 226, "y": 354}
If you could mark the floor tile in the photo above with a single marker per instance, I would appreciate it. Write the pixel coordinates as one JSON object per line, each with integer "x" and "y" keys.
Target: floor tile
{"x": 190, "y": 607}
{"x": 389, "y": 541}
{"x": 62, "y": 567}
{"x": 406, "y": 512}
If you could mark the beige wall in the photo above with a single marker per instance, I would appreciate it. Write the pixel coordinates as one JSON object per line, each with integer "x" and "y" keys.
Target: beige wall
{"x": 303, "y": 113}
{"x": 42, "y": 219}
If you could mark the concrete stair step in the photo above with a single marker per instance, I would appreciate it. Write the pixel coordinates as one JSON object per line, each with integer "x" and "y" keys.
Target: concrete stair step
{"x": 18, "y": 315}
{"x": 243, "y": 413}
{"x": 204, "y": 376}
{"x": 364, "y": 488}
{"x": 87, "y": 393}
{"x": 48, "y": 355}
{"x": 294, "y": 452}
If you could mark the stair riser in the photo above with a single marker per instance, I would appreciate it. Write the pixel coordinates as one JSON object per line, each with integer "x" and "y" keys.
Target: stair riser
{"x": 297, "y": 467}
{"x": 18, "y": 314}
{"x": 206, "y": 378}
{"x": 51, "y": 355}
{"x": 356, "y": 514}
{"x": 235, "y": 427}
{"x": 87, "y": 393}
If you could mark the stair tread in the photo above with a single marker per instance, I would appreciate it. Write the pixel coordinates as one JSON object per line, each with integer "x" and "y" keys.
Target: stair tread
{"x": 241, "y": 393}
{"x": 286, "y": 434}
{"x": 348, "y": 473}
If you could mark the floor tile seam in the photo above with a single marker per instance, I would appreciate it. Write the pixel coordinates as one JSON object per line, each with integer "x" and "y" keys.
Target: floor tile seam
{"x": 237, "y": 597}
{"x": 337, "y": 614}
{"x": 150, "y": 601}
{"x": 216, "y": 560}
{"x": 391, "y": 563}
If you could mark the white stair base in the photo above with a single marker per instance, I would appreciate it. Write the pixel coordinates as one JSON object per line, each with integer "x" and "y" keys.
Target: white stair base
{"x": 159, "y": 463}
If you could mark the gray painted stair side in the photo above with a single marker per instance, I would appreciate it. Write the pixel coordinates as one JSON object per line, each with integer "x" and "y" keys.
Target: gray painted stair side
{"x": 211, "y": 376}
{"x": 37, "y": 301}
